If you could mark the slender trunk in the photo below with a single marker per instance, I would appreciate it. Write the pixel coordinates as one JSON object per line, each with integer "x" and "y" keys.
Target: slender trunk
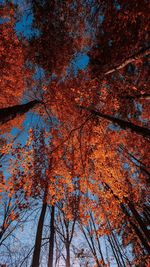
{"x": 146, "y": 217}
{"x": 146, "y": 213}
{"x": 116, "y": 245}
{"x": 134, "y": 226}
{"x": 139, "y": 96}
{"x": 97, "y": 238}
{"x": 91, "y": 246}
{"x": 5, "y": 221}
{"x": 100, "y": 251}
{"x": 139, "y": 164}
{"x": 9, "y": 113}
{"x": 67, "y": 254}
{"x": 114, "y": 251}
{"x": 125, "y": 125}
{"x": 106, "y": 250}
{"x": 118, "y": 249}
{"x": 38, "y": 240}
{"x": 97, "y": 262}
{"x": 51, "y": 240}
{"x": 138, "y": 55}
{"x": 139, "y": 220}
{"x": 136, "y": 229}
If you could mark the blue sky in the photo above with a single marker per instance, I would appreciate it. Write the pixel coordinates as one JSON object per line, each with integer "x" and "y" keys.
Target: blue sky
{"x": 80, "y": 61}
{"x": 25, "y": 27}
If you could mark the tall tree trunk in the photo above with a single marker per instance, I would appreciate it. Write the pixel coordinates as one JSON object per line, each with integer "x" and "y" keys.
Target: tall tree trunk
{"x": 51, "y": 239}
{"x": 122, "y": 123}
{"x": 146, "y": 213}
{"x": 120, "y": 250}
{"x": 139, "y": 220}
{"x": 97, "y": 262}
{"x": 9, "y": 113}
{"x": 138, "y": 96}
{"x": 91, "y": 245}
{"x": 114, "y": 251}
{"x": 116, "y": 245}
{"x": 97, "y": 238}
{"x": 139, "y": 164}
{"x": 137, "y": 231}
{"x": 138, "y": 55}
{"x": 67, "y": 254}
{"x": 38, "y": 240}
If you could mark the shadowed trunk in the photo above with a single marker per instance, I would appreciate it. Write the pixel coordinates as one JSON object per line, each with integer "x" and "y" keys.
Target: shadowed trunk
{"x": 38, "y": 240}
{"x": 139, "y": 220}
{"x": 125, "y": 125}
{"x": 9, "y": 113}
{"x": 139, "y": 164}
{"x": 51, "y": 240}
{"x": 97, "y": 238}
{"x": 136, "y": 229}
{"x": 67, "y": 255}
{"x": 142, "y": 53}
{"x": 115, "y": 253}
{"x": 138, "y": 96}
{"x": 144, "y": 240}
{"x": 91, "y": 245}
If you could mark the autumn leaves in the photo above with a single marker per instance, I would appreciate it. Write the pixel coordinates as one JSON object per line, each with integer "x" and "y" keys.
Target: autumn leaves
{"x": 88, "y": 160}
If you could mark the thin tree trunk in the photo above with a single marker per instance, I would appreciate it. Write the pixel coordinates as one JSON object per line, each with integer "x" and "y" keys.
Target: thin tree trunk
{"x": 134, "y": 226}
{"x": 146, "y": 213}
{"x": 51, "y": 240}
{"x": 38, "y": 240}
{"x": 139, "y": 220}
{"x": 138, "y": 55}
{"x": 116, "y": 245}
{"x": 122, "y": 123}
{"x": 136, "y": 229}
{"x": 139, "y": 96}
{"x": 91, "y": 245}
{"x": 67, "y": 254}
{"x": 97, "y": 238}
{"x": 139, "y": 164}
{"x": 114, "y": 251}
{"x": 118, "y": 248}
{"x": 9, "y": 113}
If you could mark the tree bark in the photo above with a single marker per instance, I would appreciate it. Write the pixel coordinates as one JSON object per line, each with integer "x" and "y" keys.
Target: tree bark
{"x": 139, "y": 164}
{"x": 139, "y": 96}
{"x": 138, "y": 55}
{"x": 137, "y": 231}
{"x": 9, "y": 113}
{"x": 115, "y": 253}
{"x": 38, "y": 240}
{"x": 67, "y": 254}
{"x": 98, "y": 240}
{"x": 51, "y": 239}
{"x": 139, "y": 220}
{"x": 116, "y": 245}
{"x": 122, "y": 123}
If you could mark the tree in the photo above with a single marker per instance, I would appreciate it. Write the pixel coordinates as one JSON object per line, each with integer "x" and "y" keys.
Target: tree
{"x": 86, "y": 168}
{"x": 38, "y": 239}
{"x": 65, "y": 228}
{"x": 9, "y": 113}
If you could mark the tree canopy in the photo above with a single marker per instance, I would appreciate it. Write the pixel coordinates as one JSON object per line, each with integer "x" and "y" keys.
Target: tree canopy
{"x": 78, "y": 166}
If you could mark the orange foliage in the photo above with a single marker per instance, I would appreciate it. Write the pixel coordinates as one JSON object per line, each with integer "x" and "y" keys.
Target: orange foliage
{"x": 87, "y": 163}
{"x": 12, "y": 61}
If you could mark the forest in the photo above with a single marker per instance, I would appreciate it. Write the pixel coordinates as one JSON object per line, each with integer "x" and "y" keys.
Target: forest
{"x": 74, "y": 133}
